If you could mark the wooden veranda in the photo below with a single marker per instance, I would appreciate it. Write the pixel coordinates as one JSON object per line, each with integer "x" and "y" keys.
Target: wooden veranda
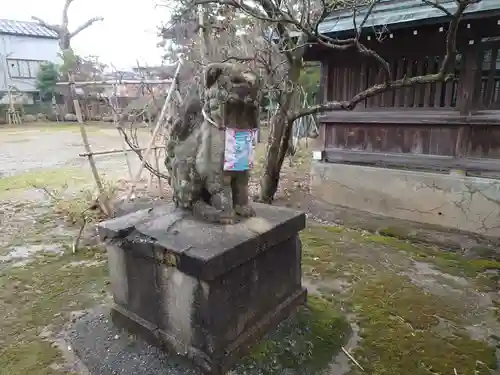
{"x": 435, "y": 127}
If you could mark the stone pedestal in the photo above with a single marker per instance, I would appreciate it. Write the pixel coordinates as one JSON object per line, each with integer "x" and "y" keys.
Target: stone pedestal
{"x": 206, "y": 291}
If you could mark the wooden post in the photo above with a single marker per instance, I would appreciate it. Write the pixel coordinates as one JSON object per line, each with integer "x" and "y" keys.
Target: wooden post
{"x": 157, "y": 155}
{"x": 159, "y": 122}
{"x": 467, "y": 100}
{"x": 114, "y": 104}
{"x": 102, "y": 200}
{"x": 151, "y": 174}
{"x": 204, "y": 41}
{"x": 470, "y": 79}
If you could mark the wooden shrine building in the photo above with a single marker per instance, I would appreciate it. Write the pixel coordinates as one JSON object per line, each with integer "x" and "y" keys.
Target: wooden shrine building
{"x": 447, "y": 134}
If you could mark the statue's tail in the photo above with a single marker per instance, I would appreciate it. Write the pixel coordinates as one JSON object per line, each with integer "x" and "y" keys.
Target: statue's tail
{"x": 189, "y": 119}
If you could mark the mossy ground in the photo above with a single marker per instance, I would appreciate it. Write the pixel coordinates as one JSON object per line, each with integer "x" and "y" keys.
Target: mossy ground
{"x": 405, "y": 328}
{"x": 302, "y": 345}
{"x": 401, "y": 323}
{"x": 40, "y": 296}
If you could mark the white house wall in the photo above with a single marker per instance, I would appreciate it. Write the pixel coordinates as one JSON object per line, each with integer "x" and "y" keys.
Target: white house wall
{"x": 24, "y": 48}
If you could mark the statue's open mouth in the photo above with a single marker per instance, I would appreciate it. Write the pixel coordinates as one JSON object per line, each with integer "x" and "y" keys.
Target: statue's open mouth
{"x": 243, "y": 94}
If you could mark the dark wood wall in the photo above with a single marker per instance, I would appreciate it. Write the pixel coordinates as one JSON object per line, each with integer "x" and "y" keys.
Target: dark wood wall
{"x": 353, "y": 73}
{"x": 482, "y": 141}
{"x": 489, "y": 85}
{"x": 456, "y": 119}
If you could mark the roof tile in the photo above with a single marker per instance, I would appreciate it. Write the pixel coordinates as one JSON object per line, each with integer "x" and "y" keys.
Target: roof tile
{"x": 25, "y": 28}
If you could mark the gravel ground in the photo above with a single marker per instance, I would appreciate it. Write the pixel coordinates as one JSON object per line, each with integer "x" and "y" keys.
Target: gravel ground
{"x": 35, "y": 147}
{"x": 105, "y": 350}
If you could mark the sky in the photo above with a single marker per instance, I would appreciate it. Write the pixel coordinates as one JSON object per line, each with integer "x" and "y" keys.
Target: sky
{"x": 127, "y": 34}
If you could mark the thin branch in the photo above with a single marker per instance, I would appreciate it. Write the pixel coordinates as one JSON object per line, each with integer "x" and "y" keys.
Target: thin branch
{"x": 239, "y": 59}
{"x": 436, "y": 5}
{"x": 365, "y": 19}
{"x": 41, "y": 22}
{"x": 136, "y": 149}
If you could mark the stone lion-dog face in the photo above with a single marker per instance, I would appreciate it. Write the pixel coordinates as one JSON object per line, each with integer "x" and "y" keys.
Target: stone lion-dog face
{"x": 208, "y": 187}
{"x": 232, "y": 96}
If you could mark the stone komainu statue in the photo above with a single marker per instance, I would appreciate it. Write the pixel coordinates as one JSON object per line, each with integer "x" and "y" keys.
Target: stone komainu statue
{"x": 196, "y": 159}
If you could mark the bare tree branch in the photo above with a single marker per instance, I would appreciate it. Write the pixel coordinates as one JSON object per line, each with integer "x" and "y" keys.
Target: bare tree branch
{"x": 436, "y": 5}
{"x": 65, "y": 14}
{"x": 444, "y": 73}
{"x": 239, "y": 59}
{"x": 85, "y": 25}
{"x": 55, "y": 28}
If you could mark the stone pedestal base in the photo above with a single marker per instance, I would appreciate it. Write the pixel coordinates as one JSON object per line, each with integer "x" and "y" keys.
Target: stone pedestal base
{"x": 206, "y": 291}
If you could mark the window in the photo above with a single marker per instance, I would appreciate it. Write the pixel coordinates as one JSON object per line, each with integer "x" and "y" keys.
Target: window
{"x": 23, "y": 68}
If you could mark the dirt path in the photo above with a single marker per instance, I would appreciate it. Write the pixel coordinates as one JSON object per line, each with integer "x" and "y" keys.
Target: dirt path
{"x": 412, "y": 309}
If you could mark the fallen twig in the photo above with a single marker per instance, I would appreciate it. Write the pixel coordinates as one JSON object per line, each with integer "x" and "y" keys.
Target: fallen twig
{"x": 352, "y": 358}
{"x": 93, "y": 206}
{"x": 74, "y": 247}
{"x": 45, "y": 190}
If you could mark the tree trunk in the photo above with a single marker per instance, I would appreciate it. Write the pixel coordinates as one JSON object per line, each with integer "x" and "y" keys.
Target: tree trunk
{"x": 280, "y": 131}
{"x": 67, "y": 53}
{"x": 67, "y": 94}
{"x": 270, "y": 179}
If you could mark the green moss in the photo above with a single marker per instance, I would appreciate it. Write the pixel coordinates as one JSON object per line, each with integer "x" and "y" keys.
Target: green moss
{"x": 333, "y": 229}
{"x": 40, "y": 294}
{"x": 496, "y": 305}
{"x": 396, "y": 232}
{"x": 392, "y": 242}
{"x": 399, "y": 335}
{"x": 304, "y": 344}
{"x": 318, "y": 256}
{"x": 484, "y": 264}
{"x": 401, "y": 324}
{"x": 29, "y": 358}
{"x": 324, "y": 253}
{"x": 446, "y": 261}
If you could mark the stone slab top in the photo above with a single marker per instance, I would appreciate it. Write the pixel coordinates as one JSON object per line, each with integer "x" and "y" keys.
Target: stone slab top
{"x": 199, "y": 248}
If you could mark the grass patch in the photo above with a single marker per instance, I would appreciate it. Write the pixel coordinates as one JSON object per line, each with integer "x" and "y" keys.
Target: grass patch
{"x": 302, "y": 345}
{"x": 47, "y": 178}
{"x": 51, "y": 127}
{"x": 40, "y": 294}
{"x": 399, "y": 337}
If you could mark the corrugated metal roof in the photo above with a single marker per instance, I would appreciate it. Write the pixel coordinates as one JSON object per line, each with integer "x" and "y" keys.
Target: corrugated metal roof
{"x": 25, "y": 28}
{"x": 401, "y": 13}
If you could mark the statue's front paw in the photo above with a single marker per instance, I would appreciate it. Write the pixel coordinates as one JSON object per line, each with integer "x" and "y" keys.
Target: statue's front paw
{"x": 226, "y": 220}
{"x": 245, "y": 211}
